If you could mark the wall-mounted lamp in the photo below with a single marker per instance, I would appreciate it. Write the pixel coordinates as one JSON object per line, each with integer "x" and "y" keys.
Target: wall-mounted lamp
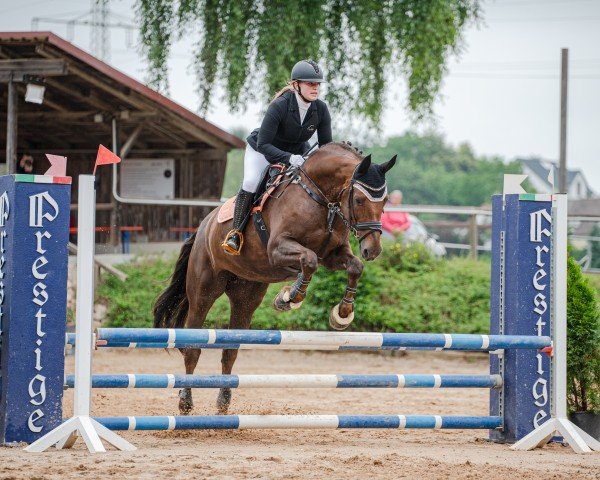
{"x": 35, "y": 89}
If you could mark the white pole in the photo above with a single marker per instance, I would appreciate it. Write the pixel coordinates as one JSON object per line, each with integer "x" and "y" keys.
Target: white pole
{"x": 86, "y": 222}
{"x": 559, "y": 321}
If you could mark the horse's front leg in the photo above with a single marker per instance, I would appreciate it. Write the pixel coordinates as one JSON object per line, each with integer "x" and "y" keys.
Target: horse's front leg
{"x": 342, "y": 314}
{"x": 288, "y": 253}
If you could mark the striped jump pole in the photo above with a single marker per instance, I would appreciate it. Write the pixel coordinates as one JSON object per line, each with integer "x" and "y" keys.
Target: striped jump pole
{"x": 188, "y": 338}
{"x": 249, "y": 346}
{"x": 291, "y": 381}
{"x": 241, "y": 422}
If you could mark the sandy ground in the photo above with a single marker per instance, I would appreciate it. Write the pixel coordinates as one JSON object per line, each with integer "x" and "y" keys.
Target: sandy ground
{"x": 299, "y": 453}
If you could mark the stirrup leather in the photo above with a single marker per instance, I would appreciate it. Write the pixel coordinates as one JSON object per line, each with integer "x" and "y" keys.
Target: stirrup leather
{"x": 227, "y": 248}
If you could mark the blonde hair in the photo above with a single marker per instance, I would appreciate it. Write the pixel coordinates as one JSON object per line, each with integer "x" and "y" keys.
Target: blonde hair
{"x": 288, "y": 88}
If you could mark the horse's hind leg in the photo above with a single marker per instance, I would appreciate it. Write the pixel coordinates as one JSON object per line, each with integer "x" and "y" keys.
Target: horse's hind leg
{"x": 203, "y": 288}
{"x": 244, "y": 297}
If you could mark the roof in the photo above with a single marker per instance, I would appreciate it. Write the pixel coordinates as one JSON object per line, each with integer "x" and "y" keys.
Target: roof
{"x": 92, "y": 87}
{"x": 541, "y": 168}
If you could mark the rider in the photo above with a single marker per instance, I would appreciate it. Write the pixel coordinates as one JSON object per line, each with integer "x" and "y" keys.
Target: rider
{"x": 292, "y": 118}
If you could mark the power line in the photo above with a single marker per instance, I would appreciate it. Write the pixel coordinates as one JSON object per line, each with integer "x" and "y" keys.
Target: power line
{"x": 518, "y": 77}
{"x": 544, "y": 19}
{"x": 534, "y": 2}
{"x": 528, "y": 64}
{"x": 27, "y": 5}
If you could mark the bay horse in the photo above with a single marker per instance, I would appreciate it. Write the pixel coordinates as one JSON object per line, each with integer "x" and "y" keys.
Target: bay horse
{"x": 309, "y": 218}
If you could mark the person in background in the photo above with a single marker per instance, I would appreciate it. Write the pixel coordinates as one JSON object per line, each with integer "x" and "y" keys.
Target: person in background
{"x": 25, "y": 165}
{"x": 394, "y": 222}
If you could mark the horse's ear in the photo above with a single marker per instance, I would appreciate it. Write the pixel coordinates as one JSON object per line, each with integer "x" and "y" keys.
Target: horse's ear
{"x": 388, "y": 165}
{"x": 363, "y": 167}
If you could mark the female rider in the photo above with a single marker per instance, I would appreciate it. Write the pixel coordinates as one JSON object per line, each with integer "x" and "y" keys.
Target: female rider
{"x": 291, "y": 119}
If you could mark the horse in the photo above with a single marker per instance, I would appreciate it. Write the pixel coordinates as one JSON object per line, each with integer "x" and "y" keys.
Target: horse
{"x": 309, "y": 217}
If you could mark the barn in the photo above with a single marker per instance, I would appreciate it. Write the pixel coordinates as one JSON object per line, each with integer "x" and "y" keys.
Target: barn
{"x": 168, "y": 151}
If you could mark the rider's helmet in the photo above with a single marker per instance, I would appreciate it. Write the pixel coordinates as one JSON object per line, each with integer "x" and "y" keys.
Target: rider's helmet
{"x": 307, "y": 71}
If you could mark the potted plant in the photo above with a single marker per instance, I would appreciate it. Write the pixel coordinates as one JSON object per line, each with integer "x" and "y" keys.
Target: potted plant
{"x": 583, "y": 352}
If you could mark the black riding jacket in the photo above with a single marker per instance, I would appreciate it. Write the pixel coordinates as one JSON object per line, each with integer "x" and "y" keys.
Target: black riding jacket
{"x": 281, "y": 133}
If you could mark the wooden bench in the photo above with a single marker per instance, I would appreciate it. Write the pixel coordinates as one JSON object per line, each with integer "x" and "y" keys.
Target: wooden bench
{"x": 125, "y": 234}
{"x": 185, "y": 231}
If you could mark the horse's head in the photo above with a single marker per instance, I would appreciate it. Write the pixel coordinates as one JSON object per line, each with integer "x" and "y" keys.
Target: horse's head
{"x": 368, "y": 194}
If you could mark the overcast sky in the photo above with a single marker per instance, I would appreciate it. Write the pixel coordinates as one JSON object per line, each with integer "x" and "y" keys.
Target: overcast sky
{"x": 501, "y": 96}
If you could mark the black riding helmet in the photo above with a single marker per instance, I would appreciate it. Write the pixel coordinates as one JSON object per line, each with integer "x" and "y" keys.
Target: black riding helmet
{"x": 307, "y": 71}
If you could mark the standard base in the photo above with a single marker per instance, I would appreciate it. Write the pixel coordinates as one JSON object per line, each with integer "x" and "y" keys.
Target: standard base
{"x": 579, "y": 440}
{"x": 90, "y": 430}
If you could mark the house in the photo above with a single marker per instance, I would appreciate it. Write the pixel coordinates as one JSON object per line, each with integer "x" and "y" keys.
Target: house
{"x": 538, "y": 171}
{"x": 168, "y": 151}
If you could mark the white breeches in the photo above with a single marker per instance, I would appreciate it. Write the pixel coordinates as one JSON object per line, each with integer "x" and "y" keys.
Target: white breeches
{"x": 254, "y": 164}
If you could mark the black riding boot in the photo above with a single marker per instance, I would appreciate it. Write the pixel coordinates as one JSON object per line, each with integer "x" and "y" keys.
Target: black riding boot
{"x": 235, "y": 239}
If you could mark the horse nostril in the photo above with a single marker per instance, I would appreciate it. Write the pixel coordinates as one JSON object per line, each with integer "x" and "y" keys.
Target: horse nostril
{"x": 365, "y": 252}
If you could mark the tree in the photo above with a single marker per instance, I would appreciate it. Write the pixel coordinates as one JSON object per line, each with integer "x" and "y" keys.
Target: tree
{"x": 361, "y": 44}
{"x": 430, "y": 171}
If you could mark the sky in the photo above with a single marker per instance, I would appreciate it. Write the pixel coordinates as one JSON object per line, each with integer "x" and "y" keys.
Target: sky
{"x": 501, "y": 95}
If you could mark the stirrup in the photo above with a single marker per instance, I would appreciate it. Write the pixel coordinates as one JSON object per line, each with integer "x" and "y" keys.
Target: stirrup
{"x": 227, "y": 248}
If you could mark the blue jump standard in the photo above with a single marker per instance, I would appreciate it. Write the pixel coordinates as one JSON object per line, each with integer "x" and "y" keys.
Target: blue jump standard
{"x": 175, "y": 338}
{"x": 291, "y": 381}
{"x": 299, "y": 421}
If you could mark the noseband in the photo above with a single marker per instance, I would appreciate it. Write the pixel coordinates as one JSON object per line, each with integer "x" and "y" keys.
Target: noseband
{"x": 334, "y": 209}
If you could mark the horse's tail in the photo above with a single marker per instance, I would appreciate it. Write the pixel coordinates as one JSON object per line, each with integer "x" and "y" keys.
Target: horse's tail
{"x": 170, "y": 308}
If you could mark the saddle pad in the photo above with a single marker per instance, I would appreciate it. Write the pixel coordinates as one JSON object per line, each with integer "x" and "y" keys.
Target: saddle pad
{"x": 226, "y": 211}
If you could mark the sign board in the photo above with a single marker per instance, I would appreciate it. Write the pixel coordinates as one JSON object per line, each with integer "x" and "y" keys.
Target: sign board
{"x": 34, "y": 234}
{"x": 148, "y": 178}
{"x": 520, "y": 305}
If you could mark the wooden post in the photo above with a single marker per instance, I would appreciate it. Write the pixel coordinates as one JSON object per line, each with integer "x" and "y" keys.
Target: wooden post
{"x": 11, "y": 128}
{"x": 564, "y": 75}
{"x": 114, "y": 212}
{"x": 473, "y": 236}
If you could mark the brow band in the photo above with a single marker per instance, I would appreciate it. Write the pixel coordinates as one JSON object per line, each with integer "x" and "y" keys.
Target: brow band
{"x": 369, "y": 195}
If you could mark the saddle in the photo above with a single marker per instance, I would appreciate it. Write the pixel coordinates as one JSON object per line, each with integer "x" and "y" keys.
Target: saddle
{"x": 272, "y": 177}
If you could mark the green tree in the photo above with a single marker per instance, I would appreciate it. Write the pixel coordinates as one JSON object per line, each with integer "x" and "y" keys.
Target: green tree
{"x": 361, "y": 44}
{"x": 583, "y": 342}
{"x": 429, "y": 171}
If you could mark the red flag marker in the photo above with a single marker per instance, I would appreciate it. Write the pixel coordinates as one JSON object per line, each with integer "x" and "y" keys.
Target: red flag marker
{"x": 58, "y": 165}
{"x": 105, "y": 157}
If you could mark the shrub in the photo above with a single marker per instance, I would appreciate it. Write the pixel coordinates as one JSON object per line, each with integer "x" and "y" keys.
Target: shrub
{"x": 583, "y": 343}
{"x": 445, "y": 296}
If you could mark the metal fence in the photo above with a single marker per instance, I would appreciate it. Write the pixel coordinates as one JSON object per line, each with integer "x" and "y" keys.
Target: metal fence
{"x": 477, "y": 220}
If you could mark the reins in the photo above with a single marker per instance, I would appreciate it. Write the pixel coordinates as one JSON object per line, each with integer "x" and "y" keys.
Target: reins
{"x": 334, "y": 209}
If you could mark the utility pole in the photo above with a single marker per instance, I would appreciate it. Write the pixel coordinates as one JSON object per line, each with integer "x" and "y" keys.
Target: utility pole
{"x": 99, "y": 35}
{"x": 564, "y": 77}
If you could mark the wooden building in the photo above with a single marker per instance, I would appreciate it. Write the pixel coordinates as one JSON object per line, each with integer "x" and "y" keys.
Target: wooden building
{"x": 86, "y": 103}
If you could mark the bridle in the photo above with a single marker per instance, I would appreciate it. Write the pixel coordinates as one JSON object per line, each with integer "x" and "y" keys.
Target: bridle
{"x": 334, "y": 208}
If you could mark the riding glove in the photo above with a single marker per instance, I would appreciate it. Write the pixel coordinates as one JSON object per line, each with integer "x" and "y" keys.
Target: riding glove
{"x": 296, "y": 160}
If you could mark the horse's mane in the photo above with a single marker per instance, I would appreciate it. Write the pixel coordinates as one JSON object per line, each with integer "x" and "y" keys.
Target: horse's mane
{"x": 347, "y": 146}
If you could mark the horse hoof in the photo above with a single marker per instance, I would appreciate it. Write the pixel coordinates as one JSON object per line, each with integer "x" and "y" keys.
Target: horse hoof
{"x": 295, "y": 306}
{"x": 223, "y": 401}
{"x": 186, "y": 405}
{"x": 282, "y": 300}
{"x": 338, "y": 323}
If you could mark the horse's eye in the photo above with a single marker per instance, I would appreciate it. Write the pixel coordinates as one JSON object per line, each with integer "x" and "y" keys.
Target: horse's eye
{"x": 359, "y": 201}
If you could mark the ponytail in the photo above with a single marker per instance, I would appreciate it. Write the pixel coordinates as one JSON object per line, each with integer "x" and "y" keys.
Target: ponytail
{"x": 288, "y": 88}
